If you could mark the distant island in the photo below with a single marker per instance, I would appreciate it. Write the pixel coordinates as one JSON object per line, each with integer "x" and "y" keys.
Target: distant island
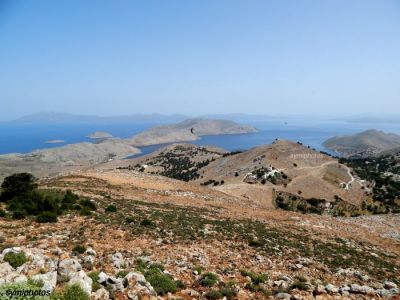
{"x": 100, "y": 135}
{"x": 55, "y": 142}
{"x": 366, "y": 143}
{"x": 188, "y": 130}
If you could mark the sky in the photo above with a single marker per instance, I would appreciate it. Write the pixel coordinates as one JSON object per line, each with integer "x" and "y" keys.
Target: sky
{"x": 199, "y": 57}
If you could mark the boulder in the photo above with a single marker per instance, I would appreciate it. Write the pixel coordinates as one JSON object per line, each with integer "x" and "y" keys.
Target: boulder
{"x": 111, "y": 283}
{"x": 5, "y": 269}
{"x": 385, "y": 293}
{"x": 320, "y": 289}
{"x": 103, "y": 277}
{"x": 389, "y": 285}
{"x": 137, "y": 280}
{"x": 284, "y": 296}
{"x": 118, "y": 260}
{"x": 88, "y": 260}
{"x": 90, "y": 251}
{"x": 101, "y": 294}
{"x": 49, "y": 280}
{"x": 67, "y": 267}
{"x": 330, "y": 288}
{"x": 83, "y": 280}
{"x": 9, "y": 275}
{"x": 361, "y": 289}
{"x": 12, "y": 249}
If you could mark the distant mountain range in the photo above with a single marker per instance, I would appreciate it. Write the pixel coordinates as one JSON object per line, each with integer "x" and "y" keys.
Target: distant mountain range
{"x": 57, "y": 117}
{"x": 388, "y": 119}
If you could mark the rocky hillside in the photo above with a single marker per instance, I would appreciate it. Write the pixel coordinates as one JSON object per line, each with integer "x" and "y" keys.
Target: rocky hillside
{"x": 259, "y": 173}
{"x": 367, "y": 143}
{"x": 151, "y": 237}
{"x": 188, "y": 130}
{"x": 179, "y": 161}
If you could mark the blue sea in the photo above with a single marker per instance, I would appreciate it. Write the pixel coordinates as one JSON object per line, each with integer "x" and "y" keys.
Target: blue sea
{"x": 24, "y": 138}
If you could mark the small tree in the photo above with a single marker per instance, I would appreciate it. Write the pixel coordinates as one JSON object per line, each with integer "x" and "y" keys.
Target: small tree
{"x": 16, "y": 185}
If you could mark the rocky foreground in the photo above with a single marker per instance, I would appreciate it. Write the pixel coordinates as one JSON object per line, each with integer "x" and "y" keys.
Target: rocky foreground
{"x": 156, "y": 238}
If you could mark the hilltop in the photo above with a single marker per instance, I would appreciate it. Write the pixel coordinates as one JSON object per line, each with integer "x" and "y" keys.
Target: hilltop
{"x": 100, "y": 135}
{"x": 366, "y": 143}
{"x": 188, "y": 130}
{"x": 262, "y": 174}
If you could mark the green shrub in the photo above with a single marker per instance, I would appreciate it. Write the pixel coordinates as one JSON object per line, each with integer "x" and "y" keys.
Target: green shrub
{"x": 300, "y": 285}
{"x": 255, "y": 243}
{"x": 254, "y": 288}
{"x": 228, "y": 292}
{"x": 162, "y": 283}
{"x": 79, "y": 248}
{"x": 122, "y": 273}
{"x": 86, "y": 203}
{"x": 85, "y": 212}
{"x": 146, "y": 223}
{"x": 180, "y": 284}
{"x": 208, "y": 279}
{"x": 17, "y": 290}
{"x": 47, "y": 217}
{"x": 15, "y": 259}
{"x": 129, "y": 220}
{"x": 213, "y": 294}
{"x": 18, "y": 214}
{"x": 70, "y": 198}
{"x": 256, "y": 278}
{"x": 111, "y": 208}
{"x": 2, "y": 213}
{"x": 198, "y": 269}
{"x": 95, "y": 277}
{"x": 141, "y": 266}
{"x": 74, "y": 292}
{"x": 157, "y": 266}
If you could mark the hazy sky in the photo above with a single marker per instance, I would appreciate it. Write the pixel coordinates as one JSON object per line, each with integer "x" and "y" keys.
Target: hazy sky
{"x": 199, "y": 56}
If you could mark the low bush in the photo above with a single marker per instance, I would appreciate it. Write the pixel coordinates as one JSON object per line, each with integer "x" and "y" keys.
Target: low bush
{"x": 79, "y": 249}
{"x": 111, "y": 208}
{"x": 14, "y": 291}
{"x": 300, "y": 285}
{"x": 130, "y": 220}
{"x": 209, "y": 279}
{"x": 95, "y": 277}
{"x": 256, "y": 278}
{"x": 15, "y": 259}
{"x": 146, "y": 223}
{"x": 162, "y": 283}
{"x": 228, "y": 292}
{"x": 122, "y": 273}
{"x": 213, "y": 294}
{"x": 74, "y": 292}
{"x": 47, "y": 217}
